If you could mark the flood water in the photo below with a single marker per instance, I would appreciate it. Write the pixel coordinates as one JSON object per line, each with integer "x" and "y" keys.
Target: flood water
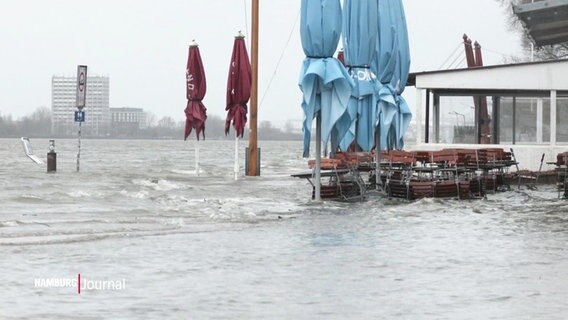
{"x": 190, "y": 247}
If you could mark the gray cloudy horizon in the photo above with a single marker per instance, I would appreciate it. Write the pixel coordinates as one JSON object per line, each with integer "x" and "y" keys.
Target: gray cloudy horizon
{"x": 142, "y": 46}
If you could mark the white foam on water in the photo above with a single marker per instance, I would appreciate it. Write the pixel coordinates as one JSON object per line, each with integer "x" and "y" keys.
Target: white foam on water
{"x": 158, "y": 184}
{"x": 202, "y": 172}
{"x": 13, "y": 223}
{"x": 177, "y": 222}
{"x": 30, "y": 197}
{"x": 135, "y": 195}
{"x": 79, "y": 194}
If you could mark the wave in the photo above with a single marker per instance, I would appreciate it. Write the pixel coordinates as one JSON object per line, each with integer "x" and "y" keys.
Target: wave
{"x": 158, "y": 184}
{"x": 136, "y": 195}
{"x": 16, "y": 223}
{"x": 29, "y": 198}
{"x": 59, "y": 239}
{"x": 202, "y": 172}
{"x": 79, "y": 194}
{"x": 13, "y": 223}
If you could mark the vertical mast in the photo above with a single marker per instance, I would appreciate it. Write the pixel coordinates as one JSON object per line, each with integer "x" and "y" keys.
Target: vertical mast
{"x": 252, "y": 166}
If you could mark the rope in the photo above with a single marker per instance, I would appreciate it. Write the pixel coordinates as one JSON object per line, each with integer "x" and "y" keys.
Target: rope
{"x": 455, "y": 63}
{"x": 451, "y": 55}
{"x": 279, "y": 60}
{"x": 496, "y": 52}
{"x": 462, "y": 63}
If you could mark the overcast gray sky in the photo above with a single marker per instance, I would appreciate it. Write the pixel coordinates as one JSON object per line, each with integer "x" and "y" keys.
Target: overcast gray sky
{"x": 142, "y": 45}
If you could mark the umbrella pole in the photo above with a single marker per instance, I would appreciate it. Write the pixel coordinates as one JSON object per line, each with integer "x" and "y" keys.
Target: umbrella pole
{"x": 236, "y": 167}
{"x": 317, "y": 195}
{"x": 197, "y": 157}
{"x": 378, "y": 157}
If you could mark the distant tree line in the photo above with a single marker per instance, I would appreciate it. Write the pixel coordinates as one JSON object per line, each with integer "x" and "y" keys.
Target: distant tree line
{"x": 554, "y": 52}
{"x": 168, "y": 128}
{"x": 38, "y": 125}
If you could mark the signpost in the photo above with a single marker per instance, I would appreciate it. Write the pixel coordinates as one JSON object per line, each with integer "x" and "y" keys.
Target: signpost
{"x": 80, "y": 101}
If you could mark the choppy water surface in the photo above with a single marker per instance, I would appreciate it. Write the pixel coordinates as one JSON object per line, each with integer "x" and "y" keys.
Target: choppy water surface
{"x": 194, "y": 247}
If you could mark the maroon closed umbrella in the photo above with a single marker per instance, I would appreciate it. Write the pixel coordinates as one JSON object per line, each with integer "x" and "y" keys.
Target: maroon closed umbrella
{"x": 195, "y": 112}
{"x": 238, "y": 87}
{"x": 238, "y": 93}
{"x": 341, "y": 57}
{"x": 196, "y": 86}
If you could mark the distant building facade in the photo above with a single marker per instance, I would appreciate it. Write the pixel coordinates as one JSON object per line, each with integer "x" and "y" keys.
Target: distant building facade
{"x": 97, "y": 111}
{"x": 127, "y": 121}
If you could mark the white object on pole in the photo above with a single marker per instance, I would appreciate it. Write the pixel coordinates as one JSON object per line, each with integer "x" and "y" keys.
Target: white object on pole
{"x": 197, "y": 157}
{"x": 29, "y": 152}
{"x": 317, "y": 196}
{"x": 236, "y": 167}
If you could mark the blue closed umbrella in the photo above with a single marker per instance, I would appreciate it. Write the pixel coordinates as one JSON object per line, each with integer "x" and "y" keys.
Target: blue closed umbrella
{"x": 384, "y": 65}
{"x": 401, "y": 73}
{"x": 393, "y": 64}
{"x": 359, "y": 39}
{"x": 324, "y": 81}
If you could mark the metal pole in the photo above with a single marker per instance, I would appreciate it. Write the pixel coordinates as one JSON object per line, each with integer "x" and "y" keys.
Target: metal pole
{"x": 539, "y": 170}
{"x": 252, "y": 149}
{"x": 236, "y": 167}
{"x": 378, "y": 157}
{"x": 197, "y": 157}
{"x": 436, "y": 123}
{"x": 79, "y": 147}
{"x": 427, "y": 121}
{"x": 317, "y": 196}
{"x": 480, "y": 120}
{"x": 513, "y": 141}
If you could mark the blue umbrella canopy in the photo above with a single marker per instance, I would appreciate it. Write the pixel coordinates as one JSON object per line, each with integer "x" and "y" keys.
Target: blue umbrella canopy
{"x": 393, "y": 65}
{"x": 324, "y": 81}
{"x": 360, "y": 19}
{"x": 401, "y": 73}
{"x": 384, "y": 65}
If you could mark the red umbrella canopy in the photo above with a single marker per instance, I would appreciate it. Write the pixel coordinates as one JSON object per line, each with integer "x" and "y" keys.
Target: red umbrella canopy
{"x": 238, "y": 87}
{"x": 195, "y": 112}
{"x": 341, "y": 57}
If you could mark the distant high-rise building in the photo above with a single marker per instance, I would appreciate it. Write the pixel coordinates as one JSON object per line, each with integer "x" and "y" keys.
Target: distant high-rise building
{"x": 97, "y": 113}
{"x": 127, "y": 121}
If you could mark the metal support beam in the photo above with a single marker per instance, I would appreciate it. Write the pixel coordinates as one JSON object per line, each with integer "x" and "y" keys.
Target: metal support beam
{"x": 436, "y": 118}
{"x": 514, "y": 124}
{"x": 427, "y": 121}
{"x": 539, "y": 119}
{"x": 478, "y": 119}
{"x": 419, "y": 116}
{"x": 496, "y": 114}
{"x": 553, "y": 115}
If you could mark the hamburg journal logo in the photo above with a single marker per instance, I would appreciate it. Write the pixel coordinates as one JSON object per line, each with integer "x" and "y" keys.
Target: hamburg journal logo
{"x": 81, "y": 284}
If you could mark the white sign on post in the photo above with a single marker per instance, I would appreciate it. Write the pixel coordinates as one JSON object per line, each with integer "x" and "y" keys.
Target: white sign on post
{"x": 81, "y": 87}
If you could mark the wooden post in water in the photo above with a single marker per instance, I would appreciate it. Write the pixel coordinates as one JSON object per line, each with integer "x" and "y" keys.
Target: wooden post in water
{"x": 253, "y": 161}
